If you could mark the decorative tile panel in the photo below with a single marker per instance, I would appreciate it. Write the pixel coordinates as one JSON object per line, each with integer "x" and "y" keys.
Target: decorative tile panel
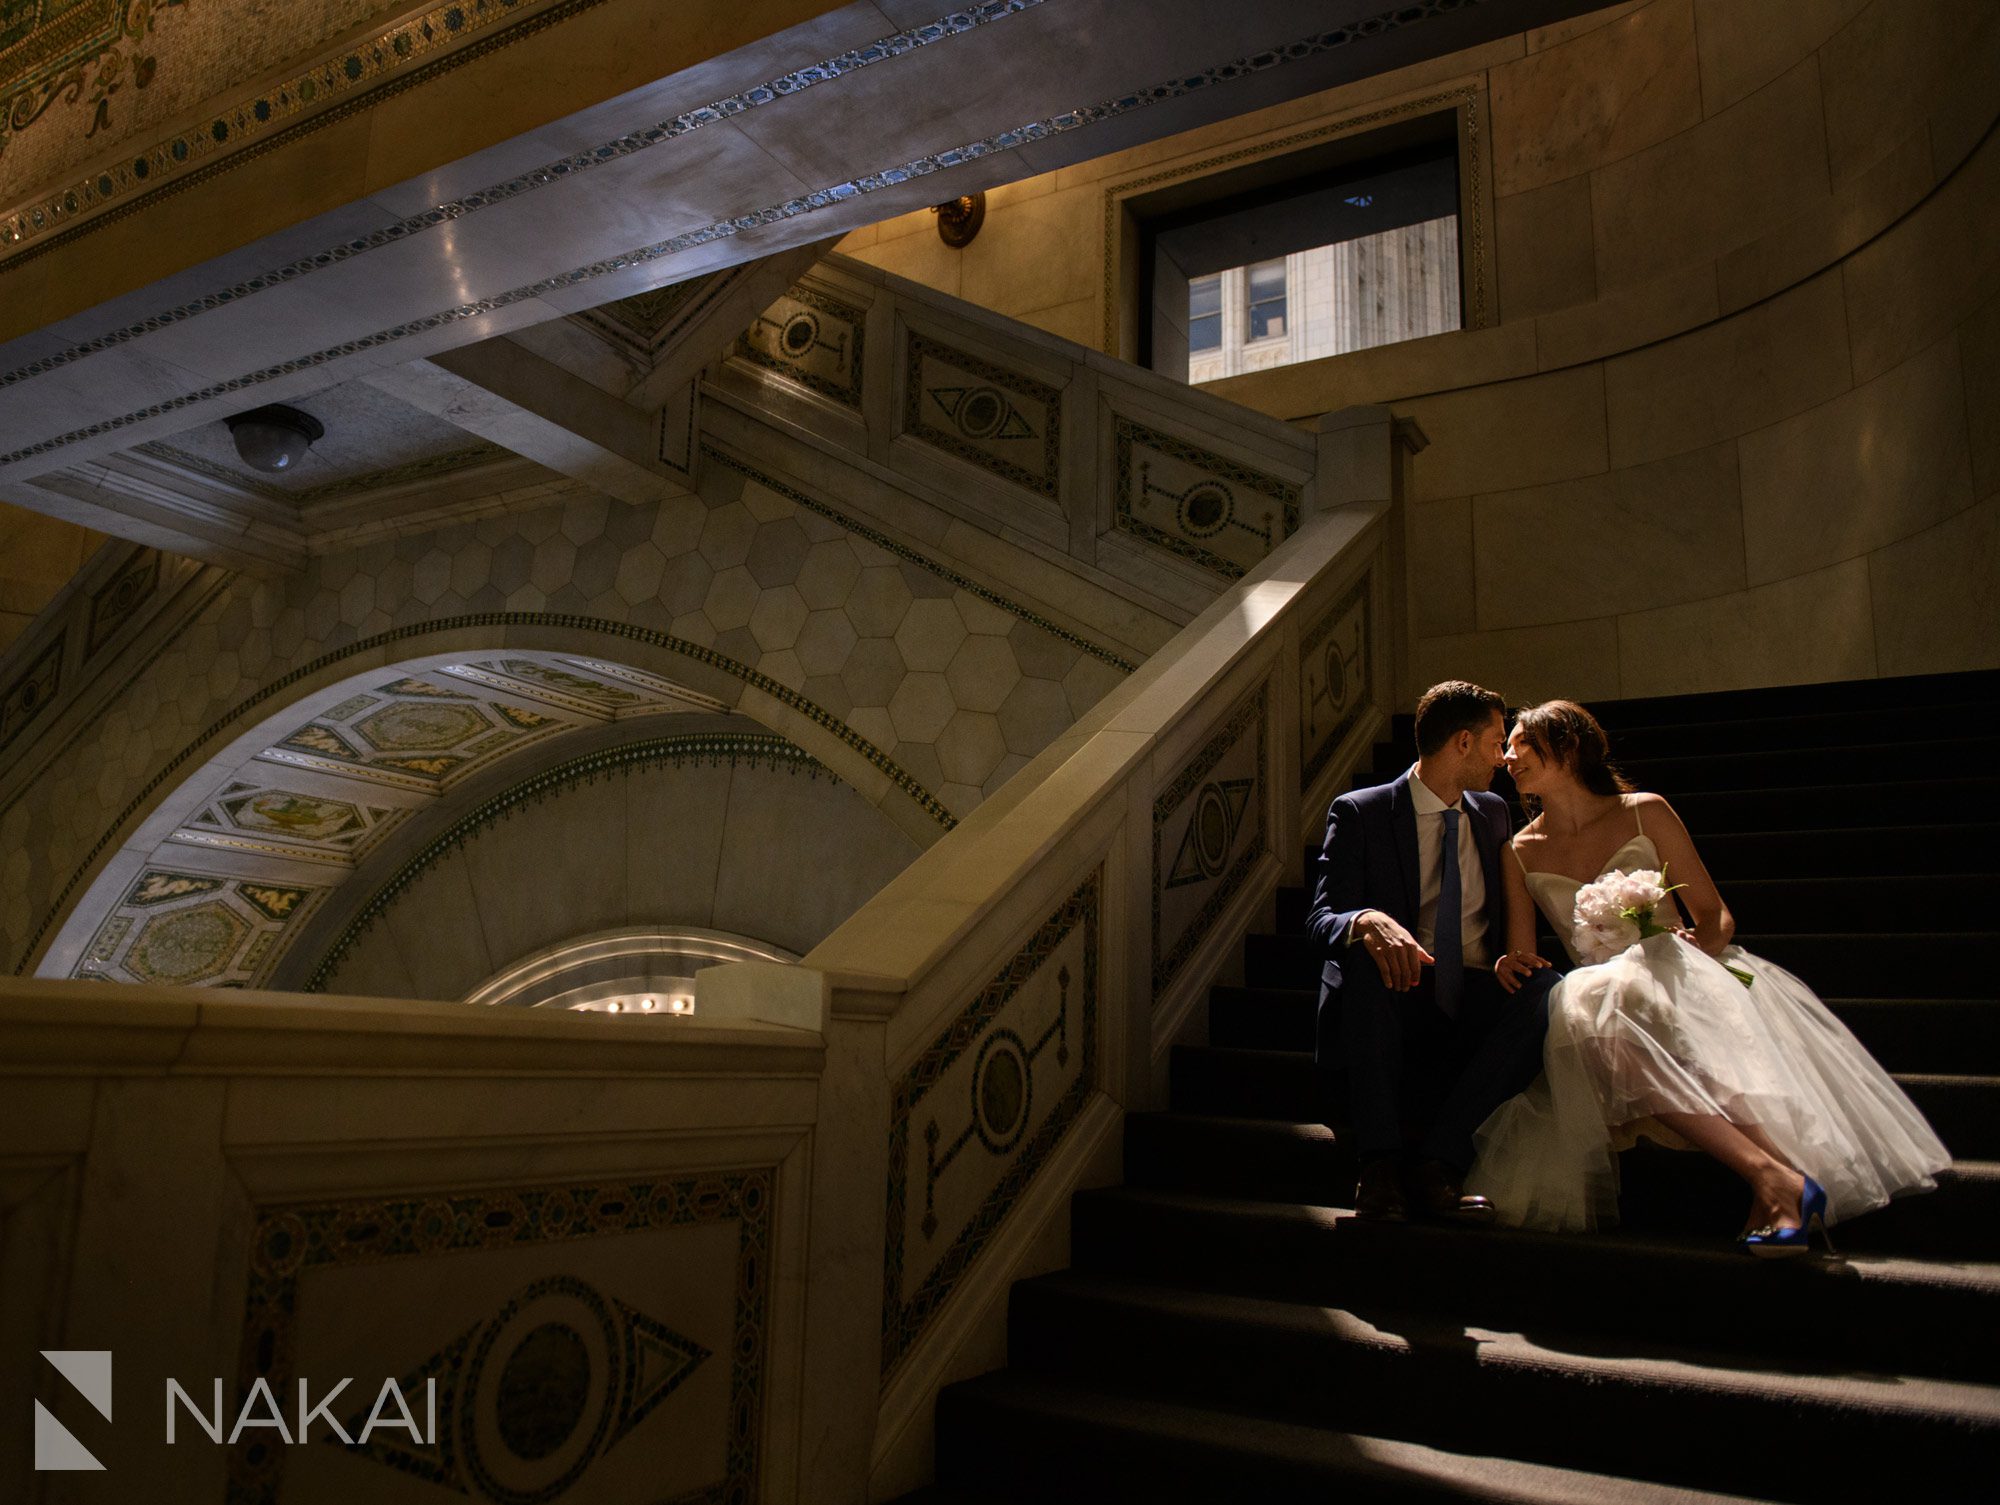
{"x": 1222, "y": 515}
{"x": 114, "y": 602}
{"x": 1208, "y": 832}
{"x": 259, "y": 818}
{"x": 1004, "y": 422}
{"x": 195, "y": 928}
{"x": 977, "y": 1114}
{"x": 556, "y": 1322}
{"x": 1333, "y": 677}
{"x": 31, "y": 694}
{"x": 418, "y": 734}
{"x": 812, "y": 339}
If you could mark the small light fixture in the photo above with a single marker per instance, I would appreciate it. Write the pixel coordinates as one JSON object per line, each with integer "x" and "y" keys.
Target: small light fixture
{"x": 959, "y": 219}
{"x": 274, "y": 438}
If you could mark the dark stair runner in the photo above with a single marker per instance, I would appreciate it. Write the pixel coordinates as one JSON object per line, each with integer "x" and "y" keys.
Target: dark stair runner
{"x": 1229, "y": 1332}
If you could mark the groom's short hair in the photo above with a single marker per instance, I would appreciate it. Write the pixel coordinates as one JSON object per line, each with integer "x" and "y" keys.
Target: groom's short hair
{"x": 1456, "y": 705}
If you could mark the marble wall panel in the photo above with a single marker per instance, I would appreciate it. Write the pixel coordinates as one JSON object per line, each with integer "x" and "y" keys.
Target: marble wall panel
{"x": 1883, "y": 71}
{"x": 979, "y": 1111}
{"x": 1042, "y": 252}
{"x": 1337, "y": 655}
{"x": 1572, "y": 660}
{"x": 813, "y": 338}
{"x": 1754, "y": 368}
{"x": 1921, "y": 588}
{"x": 1635, "y": 538}
{"x": 1440, "y": 568}
{"x": 1685, "y": 201}
{"x": 1803, "y": 630}
{"x": 436, "y": 931}
{"x": 1744, "y": 44}
{"x": 1979, "y": 354}
{"x": 1605, "y": 94}
{"x": 1920, "y": 277}
{"x": 1548, "y": 258}
{"x": 1511, "y": 434}
{"x": 1876, "y": 464}
{"x": 1202, "y": 506}
{"x": 1003, "y": 421}
{"x": 1209, "y": 825}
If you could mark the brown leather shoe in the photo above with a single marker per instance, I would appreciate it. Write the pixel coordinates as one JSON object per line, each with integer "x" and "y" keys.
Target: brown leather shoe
{"x": 1435, "y": 1192}
{"x": 1379, "y": 1194}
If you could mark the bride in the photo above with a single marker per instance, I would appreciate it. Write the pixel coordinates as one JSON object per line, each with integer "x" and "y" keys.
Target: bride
{"x": 1665, "y": 1041}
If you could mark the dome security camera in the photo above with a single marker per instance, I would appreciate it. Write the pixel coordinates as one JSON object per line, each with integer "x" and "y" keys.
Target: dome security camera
{"x": 274, "y": 438}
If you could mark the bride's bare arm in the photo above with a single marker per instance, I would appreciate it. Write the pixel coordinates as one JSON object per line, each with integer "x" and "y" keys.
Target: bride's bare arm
{"x": 1513, "y": 968}
{"x": 1713, "y": 927}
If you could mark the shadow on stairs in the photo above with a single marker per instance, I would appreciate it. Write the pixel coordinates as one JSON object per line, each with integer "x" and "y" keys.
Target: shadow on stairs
{"x": 1229, "y": 1331}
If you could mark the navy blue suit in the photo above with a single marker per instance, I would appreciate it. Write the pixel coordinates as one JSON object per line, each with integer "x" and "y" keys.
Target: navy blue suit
{"x": 1412, "y": 1078}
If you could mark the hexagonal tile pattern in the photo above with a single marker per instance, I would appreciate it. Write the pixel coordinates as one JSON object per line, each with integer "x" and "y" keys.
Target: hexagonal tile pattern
{"x": 929, "y": 634}
{"x": 726, "y": 536}
{"x": 732, "y": 596}
{"x": 878, "y": 601}
{"x": 983, "y": 674}
{"x": 1033, "y": 714}
{"x": 777, "y": 618}
{"x": 825, "y": 642}
{"x": 873, "y": 670}
{"x": 828, "y": 573}
{"x": 777, "y": 552}
{"x": 920, "y": 707}
{"x": 1040, "y": 653}
{"x": 639, "y": 573}
{"x": 970, "y": 747}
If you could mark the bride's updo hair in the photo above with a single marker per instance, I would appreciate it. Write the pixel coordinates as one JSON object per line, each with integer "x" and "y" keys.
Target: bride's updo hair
{"x": 1567, "y": 735}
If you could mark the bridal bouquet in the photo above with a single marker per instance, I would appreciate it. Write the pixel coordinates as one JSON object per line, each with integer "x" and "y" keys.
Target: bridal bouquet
{"x": 1617, "y": 911}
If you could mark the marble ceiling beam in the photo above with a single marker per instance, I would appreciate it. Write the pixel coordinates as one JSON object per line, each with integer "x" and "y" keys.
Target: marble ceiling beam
{"x": 839, "y": 121}
{"x": 512, "y": 397}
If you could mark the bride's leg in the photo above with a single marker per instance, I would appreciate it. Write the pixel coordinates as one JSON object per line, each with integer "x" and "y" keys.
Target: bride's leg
{"x": 1775, "y": 1188}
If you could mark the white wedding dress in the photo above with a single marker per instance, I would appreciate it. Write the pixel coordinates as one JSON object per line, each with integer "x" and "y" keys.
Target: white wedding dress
{"x": 1666, "y": 1028}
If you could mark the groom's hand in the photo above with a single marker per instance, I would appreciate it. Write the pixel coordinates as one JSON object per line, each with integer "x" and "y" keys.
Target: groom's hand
{"x": 1515, "y": 968}
{"x": 1397, "y": 955}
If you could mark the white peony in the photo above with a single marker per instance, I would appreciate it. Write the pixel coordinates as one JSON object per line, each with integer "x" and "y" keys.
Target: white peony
{"x": 1616, "y": 912}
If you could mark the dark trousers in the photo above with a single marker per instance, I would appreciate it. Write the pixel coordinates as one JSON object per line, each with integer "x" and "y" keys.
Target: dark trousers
{"x": 1415, "y": 1079}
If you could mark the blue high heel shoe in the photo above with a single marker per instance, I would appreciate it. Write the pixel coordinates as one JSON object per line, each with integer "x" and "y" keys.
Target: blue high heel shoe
{"x": 1781, "y": 1243}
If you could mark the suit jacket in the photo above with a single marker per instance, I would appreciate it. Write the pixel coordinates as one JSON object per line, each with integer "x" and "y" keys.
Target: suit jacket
{"x": 1369, "y": 861}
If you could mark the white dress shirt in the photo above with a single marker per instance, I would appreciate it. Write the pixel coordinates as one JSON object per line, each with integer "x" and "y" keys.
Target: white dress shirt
{"x": 1430, "y": 866}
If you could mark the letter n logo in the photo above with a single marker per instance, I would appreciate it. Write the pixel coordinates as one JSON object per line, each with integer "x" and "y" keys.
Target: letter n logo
{"x": 89, "y": 1372}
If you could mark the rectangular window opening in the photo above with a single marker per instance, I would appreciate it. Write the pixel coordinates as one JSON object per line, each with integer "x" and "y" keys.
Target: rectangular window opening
{"x": 1287, "y": 262}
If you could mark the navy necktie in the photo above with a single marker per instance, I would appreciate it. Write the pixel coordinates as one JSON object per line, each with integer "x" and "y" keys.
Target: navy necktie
{"x": 1447, "y": 945}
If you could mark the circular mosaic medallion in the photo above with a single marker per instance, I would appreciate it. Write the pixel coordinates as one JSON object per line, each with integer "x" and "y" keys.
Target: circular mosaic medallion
{"x": 800, "y": 334}
{"x": 1211, "y": 830}
{"x": 1001, "y": 1089}
{"x": 544, "y": 1384}
{"x": 542, "y": 1390}
{"x": 982, "y": 412}
{"x": 1206, "y": 510}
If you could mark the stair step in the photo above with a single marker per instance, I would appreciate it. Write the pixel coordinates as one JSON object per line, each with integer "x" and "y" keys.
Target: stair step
{"x": 1435, "y": 1380}
{"x": 1864, "y": 805}
{"x": 1230, "y": 1082}
{"x": 1010, "y": 1436}
{"x": 1913, "y": 964}
{"x": 1270, "y": 1160}
{"x": 1809, "y": 901}
{"x": 1917, "y": 1034}
{"x": 1961, "y": 720}
{"x": 1871, "y": 1312}
{"x": 1911, "y": 696}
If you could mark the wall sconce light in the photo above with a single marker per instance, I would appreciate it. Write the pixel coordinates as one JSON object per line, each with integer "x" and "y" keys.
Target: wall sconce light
{"x": 276, "y": 437}
{"x": 959, "y": 219}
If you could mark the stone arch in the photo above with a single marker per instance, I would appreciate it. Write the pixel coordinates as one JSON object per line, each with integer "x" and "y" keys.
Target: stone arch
{"x": 110, "y": 905}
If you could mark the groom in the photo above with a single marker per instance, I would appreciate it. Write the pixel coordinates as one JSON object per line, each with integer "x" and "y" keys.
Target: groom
{"x": 1411, "y": 909}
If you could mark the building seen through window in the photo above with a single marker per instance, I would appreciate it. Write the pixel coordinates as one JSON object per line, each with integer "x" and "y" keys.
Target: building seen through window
{"x": 1339, "y": 256}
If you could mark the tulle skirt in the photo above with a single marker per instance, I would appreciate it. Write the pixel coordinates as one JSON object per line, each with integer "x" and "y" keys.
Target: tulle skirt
{"x": 1665, "y": 1028}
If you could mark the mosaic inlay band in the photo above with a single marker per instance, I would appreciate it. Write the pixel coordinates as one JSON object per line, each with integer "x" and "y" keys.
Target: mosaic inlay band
{"x": 577, "y": 163}
{"x": 822, "y": 198}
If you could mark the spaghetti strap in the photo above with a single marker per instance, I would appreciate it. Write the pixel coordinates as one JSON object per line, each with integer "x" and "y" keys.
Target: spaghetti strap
{"x": 1638, "y": 818}
{"x": 1517, "y": 859}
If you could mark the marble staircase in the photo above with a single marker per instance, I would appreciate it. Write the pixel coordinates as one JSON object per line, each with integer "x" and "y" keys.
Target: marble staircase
{"x": 1228, "y": 1330}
